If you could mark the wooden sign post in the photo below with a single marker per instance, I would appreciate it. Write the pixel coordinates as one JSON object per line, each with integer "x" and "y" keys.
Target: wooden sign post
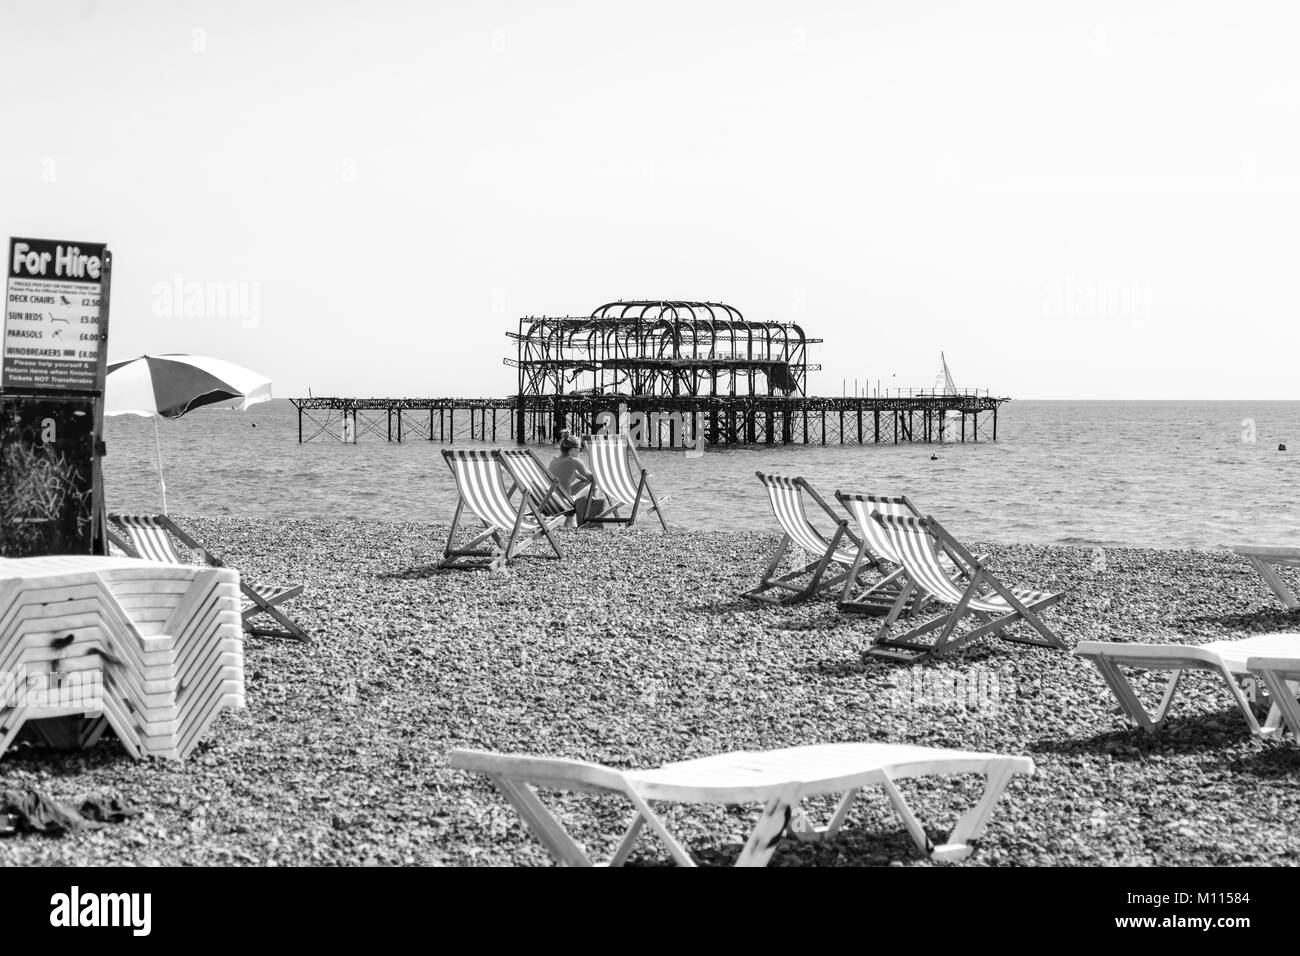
{"x": 52, "y": 376}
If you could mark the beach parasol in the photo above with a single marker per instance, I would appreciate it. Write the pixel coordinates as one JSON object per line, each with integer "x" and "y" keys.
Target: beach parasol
{"x": 168, "y": 386}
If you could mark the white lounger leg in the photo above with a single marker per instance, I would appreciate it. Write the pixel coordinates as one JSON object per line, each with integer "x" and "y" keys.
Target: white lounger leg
{"x": 542, "y": 822}
{"x": 971, "y": 825}
{"x": 1274, "y": 581}
{"x": 771, "y": 825}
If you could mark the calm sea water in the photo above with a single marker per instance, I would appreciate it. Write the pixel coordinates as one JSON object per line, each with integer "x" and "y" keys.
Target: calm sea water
{"x": 1160, "y": 474}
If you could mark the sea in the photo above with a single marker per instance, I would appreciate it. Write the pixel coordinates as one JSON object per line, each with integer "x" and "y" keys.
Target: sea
{"x": 1164, "y": 474}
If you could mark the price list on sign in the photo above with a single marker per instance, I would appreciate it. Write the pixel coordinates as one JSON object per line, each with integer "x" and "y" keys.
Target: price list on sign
{"x": 52, "y": 332}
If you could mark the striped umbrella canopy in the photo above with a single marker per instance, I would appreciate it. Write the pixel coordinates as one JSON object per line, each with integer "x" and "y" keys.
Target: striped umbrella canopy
{"x": 168, "y": 386}
{"x": 171, "y": 385}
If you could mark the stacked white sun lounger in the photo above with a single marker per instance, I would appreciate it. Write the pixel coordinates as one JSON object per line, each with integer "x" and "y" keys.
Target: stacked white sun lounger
{"x": 153, "y": 651}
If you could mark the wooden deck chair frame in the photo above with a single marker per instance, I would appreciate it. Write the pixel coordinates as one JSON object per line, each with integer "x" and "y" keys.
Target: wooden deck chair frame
{"x": 516, "y": 777}
{"x": 1266, "y": 559}
{"x": 519, "y": 526}
{"x": 1228, "y": 660}
{"x": 981, "y": 586}
{"x": 843, "y": 547}
{"x": 261, "y": 602}
{"x": 613, "y": 496}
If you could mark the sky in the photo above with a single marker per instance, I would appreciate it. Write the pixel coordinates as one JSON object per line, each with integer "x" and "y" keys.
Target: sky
{"x": 1071, "y": 200}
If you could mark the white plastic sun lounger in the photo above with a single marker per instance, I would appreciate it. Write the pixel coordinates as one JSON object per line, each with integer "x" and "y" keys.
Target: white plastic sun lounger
{"x": 1266, "y": 559}
{"x": 1228, "y": 659}
{"x": 1281, "y": 675}
{"x": 778, "y": 779}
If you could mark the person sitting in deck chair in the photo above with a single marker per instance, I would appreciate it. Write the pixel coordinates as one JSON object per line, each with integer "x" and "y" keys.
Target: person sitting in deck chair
{"x": 571, "y": 472}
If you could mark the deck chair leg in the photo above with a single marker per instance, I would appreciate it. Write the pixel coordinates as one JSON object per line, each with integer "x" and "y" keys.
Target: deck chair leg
{"x": 655, "y": 505}
{"x": 451, "y": 535}
{"x": 958, "y": 612}
{"x": 972, "y": 823}
{"x": 288, "y": 630}
{"x": 904, "y": 593}
{"x": 636, "y": 502}
{"x": 542, "y": 822}
{"x": 543, "y": 528}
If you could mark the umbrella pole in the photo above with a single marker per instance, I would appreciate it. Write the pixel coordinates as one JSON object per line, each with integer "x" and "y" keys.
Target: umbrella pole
{"x": 162, "y": 485}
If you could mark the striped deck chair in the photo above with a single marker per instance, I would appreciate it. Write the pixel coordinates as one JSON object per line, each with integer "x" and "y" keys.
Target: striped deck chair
{"x": 527, "y": 473}
{"x": 777, "y": 779}
{"x": 512, "y": 528}
{"x": 843, "y": 548}
{"x": 151, "y": 537}
{"x": 919, "y": 543}
{"x": 1271, "y": 658}
{"x": 878, "y": 550}
{"x": 613, "y": 482}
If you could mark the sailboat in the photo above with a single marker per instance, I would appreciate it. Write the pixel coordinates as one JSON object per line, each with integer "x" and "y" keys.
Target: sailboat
{"x": 944, "y": 385}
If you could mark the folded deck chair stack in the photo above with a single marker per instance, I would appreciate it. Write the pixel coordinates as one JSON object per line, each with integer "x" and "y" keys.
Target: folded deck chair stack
{"x": 921, "y": 545}
{"x": 528, "y": 474}
{"x": 152, "y": 651}
{"x": 1273, "y": 658}
{"x": 1267, "y": 560}
{"x": 153, "y": 538}
{"x": 619, "y": 480}
{"x": 777, "y": 779}
{"x": 829, "y": 562}
{"x": 509, "y": 528}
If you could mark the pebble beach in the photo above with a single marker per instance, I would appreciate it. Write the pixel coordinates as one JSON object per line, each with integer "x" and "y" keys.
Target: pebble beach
{"x": 637, "y": 650}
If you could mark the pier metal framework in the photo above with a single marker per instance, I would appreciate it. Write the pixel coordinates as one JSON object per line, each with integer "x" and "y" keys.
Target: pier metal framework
{"x": 928, "y": 417}
{"x": 645, "y": 348}
{"x": 678, "y": 370}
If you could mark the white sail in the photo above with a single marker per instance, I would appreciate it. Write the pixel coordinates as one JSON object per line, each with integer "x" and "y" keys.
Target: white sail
{"x": 943, "y": 383}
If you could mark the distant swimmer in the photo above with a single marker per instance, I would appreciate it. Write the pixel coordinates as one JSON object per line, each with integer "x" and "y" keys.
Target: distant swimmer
{"x": 254, "y": 424}
{"x": 1282, "y": 447}
{"x": 934, "y": 457}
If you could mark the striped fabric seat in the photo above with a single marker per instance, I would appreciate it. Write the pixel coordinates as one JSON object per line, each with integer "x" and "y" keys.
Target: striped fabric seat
{"x": 920, "y": 544}
{"x": 511, "y": 528}
{"x": 615, "y": 483}
{"x": 154, "y": 538}
{"x": 919, "y": 555}
{"x": 478, "y": 479}
{"x": 608, "y": 455}
{"x": 873, "y": 533}
{"x": 786, "y": 496}
{"x": 528, "y": 473}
